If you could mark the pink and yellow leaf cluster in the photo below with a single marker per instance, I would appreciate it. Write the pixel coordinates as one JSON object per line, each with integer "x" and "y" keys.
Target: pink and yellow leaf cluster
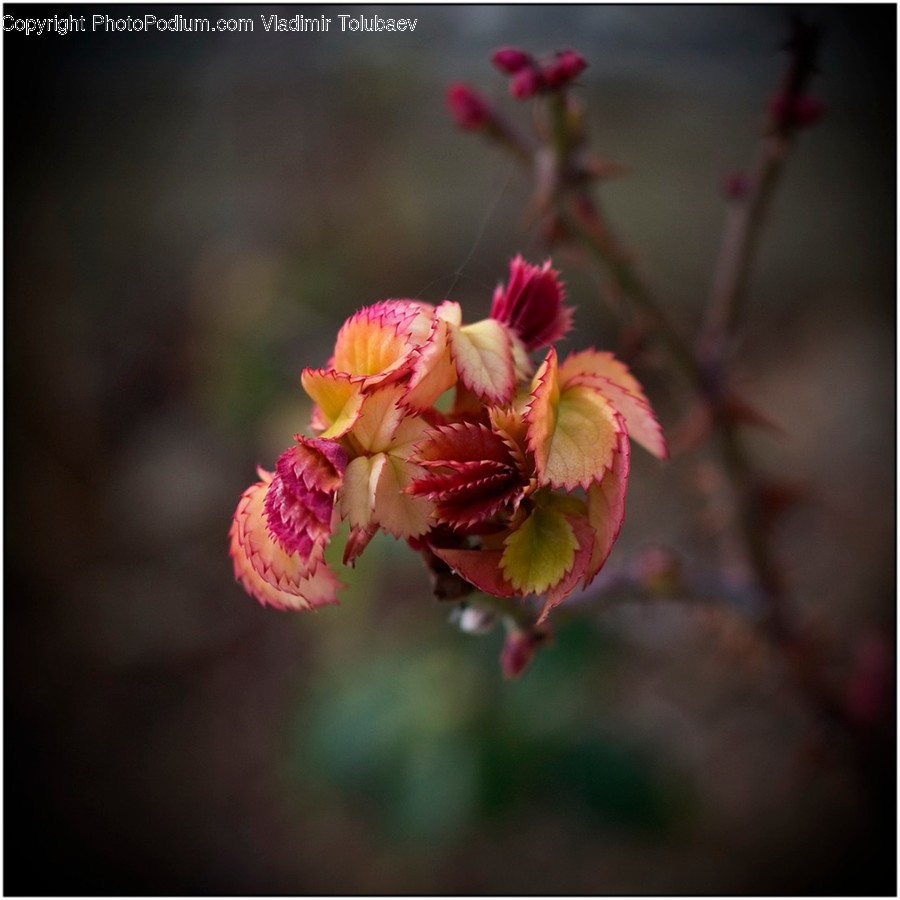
{"x": 518, "y": 484}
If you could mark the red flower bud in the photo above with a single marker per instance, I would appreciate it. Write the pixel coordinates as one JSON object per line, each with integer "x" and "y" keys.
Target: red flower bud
{"x": 468, "y": 108}
{"x": 571, "y": 63}
{"x": 518, "y": 652}
{"x": 567, "y": 66}
{"x": 511, "y": 60}
{"x": 526, "y": 83}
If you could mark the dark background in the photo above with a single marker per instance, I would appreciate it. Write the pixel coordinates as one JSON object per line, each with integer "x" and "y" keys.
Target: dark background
{"x": 187, "y": 220}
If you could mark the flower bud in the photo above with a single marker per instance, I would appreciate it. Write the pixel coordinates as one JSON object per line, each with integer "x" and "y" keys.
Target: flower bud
{"x": 510, "y": 60}
{"x": 518, "y": 652}
{"x": 526, "y": 83}
{"x": 469, "y": 109}
{"x": 567, "y": 66}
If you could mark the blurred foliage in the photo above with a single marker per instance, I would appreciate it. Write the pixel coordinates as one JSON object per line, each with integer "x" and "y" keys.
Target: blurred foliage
{"x": 425, "y": 741}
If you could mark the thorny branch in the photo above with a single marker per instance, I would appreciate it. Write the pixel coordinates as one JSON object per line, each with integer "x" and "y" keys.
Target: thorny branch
{"x": 567, "y": 211}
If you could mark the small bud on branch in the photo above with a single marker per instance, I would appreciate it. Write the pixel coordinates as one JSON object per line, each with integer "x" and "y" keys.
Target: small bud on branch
{"x": 469, "y": 109}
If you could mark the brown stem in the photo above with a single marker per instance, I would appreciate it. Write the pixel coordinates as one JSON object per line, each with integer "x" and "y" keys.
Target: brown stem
{"x": 777, "y": 623}
{"x": 743, "y": 228}
{"x": 739, "y": 249}
{"x": 748, "y": 213}
{"x": 563, "y": 194}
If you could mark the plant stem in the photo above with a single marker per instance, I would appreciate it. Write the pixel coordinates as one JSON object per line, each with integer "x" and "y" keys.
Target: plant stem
{"x": 749, "y": 209}
{"x": 706, "y": 368}
{"x": 584, "y": 220}
{"x": 740, "y": 244}
{"x": 596, "y": 235}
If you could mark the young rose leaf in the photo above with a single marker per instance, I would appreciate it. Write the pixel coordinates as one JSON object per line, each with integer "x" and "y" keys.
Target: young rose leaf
{"x": 511, "y": 428}
{"x": 606, "y": 509}
{"x": 603, "y": 364}
{"x": 471, "y": 492}
{"x": 448, "y": 445}
{"x": 640, "y": 422}
{"x": 558, "y": 592}
{"x": 522, "y": 364}
{"x": 614, "y": 380}
{"x": 483, "y": 356}
{"x": 478, "y": 567}
{"x": 397, "y": 511}
{"x": 282, "y": 568}
{"x": 471, "y": 473}
{"x": 385, "y": 425}
{"x": 266, "y": 571}
{"x": 374, "y": 494}
{"x": 540, "y": 552}
{"x": 531, "y": 304}
{"x": 433, "y": 370}
{"x": 378, "y": 341}
{"x": 358, "y": 493}
{"x": 300, "y": 498}
{"x": 357, "y": 541}
{"x": 379, "y": 419}
{"x": 339, "y": 399}
{"x": 313, "y": 592}
{"x": 572, "y": 431}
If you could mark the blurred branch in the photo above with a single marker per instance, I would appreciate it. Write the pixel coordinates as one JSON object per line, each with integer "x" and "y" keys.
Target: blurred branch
{"x": 581, "y": 216}
{"x": 789, "y": 110}
{"x": 751, "y": 195}
{"x": 565, "y": 173}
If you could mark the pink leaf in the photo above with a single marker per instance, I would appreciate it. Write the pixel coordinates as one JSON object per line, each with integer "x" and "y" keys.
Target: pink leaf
{"x": 479, "y": 567}
{"x": 268, "y": 573}
{"x": 606, "y": 509}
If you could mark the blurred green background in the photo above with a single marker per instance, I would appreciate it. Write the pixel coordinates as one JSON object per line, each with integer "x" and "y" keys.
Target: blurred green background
{"x": 187, "y": 220}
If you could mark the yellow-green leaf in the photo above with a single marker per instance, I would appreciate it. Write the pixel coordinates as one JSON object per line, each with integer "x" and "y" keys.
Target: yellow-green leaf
{"x": 572, "y": 431}
{"x": 614, "y": 380}
{"x": 540, "y": 552}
